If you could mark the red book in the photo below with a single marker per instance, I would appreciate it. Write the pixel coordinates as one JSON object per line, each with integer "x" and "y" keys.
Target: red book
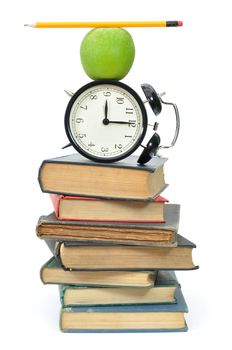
{"x": 97, "y": 209}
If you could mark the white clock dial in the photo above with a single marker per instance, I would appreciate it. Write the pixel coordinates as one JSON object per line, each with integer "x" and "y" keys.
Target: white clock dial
{"x": 106, "y": 121}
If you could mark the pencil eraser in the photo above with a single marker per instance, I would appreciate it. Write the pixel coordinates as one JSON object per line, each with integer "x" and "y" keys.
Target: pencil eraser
{"x": 180, "y": 23}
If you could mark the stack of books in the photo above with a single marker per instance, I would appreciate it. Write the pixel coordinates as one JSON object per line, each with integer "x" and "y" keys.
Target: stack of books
{"x": 115, "y": 246}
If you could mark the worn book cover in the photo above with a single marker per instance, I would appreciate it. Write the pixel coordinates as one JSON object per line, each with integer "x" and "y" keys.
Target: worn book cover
{"x": 142, "y": 233}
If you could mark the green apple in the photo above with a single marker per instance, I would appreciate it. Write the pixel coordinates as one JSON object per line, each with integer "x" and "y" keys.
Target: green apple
{"x": 107, "y": 53}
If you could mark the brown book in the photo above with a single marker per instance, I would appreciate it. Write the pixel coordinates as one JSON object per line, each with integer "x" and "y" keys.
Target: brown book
{"x": 75, "y": 175}
{"x": 142, "y": 233}
{"x": 53, "y": 273}
{"x": 122, "y": 257}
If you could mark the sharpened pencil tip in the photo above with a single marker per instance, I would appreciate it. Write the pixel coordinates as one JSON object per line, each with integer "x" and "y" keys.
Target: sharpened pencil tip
{"x": 28, "y": 25}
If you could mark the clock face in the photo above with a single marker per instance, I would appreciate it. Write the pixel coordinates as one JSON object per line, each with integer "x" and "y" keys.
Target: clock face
{"x": 105, "y": 121}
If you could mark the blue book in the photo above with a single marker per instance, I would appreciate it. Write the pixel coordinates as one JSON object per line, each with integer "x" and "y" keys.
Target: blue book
{"x": 126, "y": 318}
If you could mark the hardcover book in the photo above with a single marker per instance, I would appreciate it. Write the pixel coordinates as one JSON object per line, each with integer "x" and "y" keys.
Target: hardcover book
{"x": 96, "y": 209}
{"x": 82, "y": 256}
{"x": 163, "y": 291}
{"x": 126, "y": 318}
{"x": 53, "y": 273}
{"x": 142, "y": 233}
{"x": 75, "y": 175}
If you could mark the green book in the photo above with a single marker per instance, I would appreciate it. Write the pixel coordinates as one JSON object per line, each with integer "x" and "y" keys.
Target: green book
{"x": 53, "y": 273}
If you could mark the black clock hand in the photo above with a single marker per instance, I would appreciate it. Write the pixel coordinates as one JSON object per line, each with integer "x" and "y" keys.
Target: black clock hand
{"x": 106, "y": 120}
{"x": 120, "y": 122}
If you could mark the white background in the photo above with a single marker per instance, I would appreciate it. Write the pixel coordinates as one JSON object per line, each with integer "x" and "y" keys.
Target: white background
{"x": 193, "y": 65}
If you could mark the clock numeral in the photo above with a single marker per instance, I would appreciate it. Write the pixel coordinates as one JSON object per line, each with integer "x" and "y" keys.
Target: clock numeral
{"x": 81, "y": 136}
{"x": 84, "y": 107}
{"x": 120, "y": 100}
{"x": 79, "y": 120}
{"x": 129, "y": 110}
{"x": 107, "y": 93}
{"x": 119, "y": 146}
{"x": 104, "y": 149}
{"x": 132, "y": 123}
{"x": 93, "y": 97}
{"x": 91, "y": 144}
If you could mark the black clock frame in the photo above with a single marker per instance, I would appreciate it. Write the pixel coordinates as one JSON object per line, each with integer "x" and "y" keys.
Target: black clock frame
{"x": 67, "y": 120}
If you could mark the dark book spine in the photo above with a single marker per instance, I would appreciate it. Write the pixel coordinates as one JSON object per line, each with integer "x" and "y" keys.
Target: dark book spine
{"x": 54, "y": 247}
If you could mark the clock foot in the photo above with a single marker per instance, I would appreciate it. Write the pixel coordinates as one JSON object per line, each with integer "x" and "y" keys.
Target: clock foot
{"x": 66, "y": 146}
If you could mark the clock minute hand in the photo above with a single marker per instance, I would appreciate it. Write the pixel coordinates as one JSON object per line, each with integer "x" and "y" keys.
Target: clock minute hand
{"x": 106, "y": 112}
{"x": 120, "y": 122}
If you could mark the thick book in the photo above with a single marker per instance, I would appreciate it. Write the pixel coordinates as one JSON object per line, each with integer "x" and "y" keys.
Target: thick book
{"x": 82, "y": 256}
{"x": 53, "y": 273}
{"x": 163, "y": 291}
{"x": 142, "y": 233}
{"x": 75, "y": 175}
{"x": 126, "y": 318}
{"x": 99, "y": 209}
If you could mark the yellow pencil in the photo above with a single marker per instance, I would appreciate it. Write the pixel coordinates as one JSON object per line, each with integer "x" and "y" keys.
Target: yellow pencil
{"x": 105, "y": 24}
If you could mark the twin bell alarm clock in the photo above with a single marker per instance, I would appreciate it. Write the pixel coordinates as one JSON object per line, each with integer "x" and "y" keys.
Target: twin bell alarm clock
{"x": 106, "y": 120}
